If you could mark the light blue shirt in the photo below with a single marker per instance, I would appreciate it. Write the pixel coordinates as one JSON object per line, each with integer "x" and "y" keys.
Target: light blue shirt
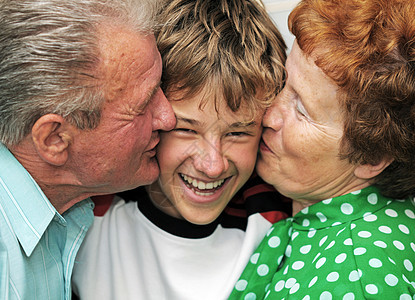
{"x": 37, "y": 245}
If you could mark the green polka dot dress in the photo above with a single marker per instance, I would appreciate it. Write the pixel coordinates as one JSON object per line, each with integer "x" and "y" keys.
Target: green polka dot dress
{"x": 356, "y": 246}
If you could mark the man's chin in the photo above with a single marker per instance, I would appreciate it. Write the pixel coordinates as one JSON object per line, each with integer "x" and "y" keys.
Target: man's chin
{"x": 148, "y": 173}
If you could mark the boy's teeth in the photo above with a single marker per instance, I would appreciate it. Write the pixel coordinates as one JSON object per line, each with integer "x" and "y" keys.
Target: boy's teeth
{"x": 203, "y": 185}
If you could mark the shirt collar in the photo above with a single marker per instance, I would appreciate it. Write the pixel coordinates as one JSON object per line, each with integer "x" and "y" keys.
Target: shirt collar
{"x": 25, "y": 206}
{"x": 346, "y": 208}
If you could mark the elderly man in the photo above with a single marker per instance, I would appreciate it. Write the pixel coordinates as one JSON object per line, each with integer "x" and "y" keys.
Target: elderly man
{"x": 80, "y": 111}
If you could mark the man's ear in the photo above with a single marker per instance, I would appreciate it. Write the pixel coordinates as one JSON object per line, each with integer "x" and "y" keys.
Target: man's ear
{"x": 368, "y": 171}
{"x": 51, "y": 136}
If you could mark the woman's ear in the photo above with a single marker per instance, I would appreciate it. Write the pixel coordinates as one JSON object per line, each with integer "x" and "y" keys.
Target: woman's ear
{"x": 368, "y": 171}
{"x": 51, "y": 136}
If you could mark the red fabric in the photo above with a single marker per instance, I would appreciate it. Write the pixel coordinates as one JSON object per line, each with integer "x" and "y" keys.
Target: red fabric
{"x": 260, "y": 188}
{"x": 102, "y": 204}
{"x": 274, "y": 216}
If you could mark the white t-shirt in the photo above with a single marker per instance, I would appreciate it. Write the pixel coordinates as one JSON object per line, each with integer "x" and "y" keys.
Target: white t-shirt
{"x": 135, "y": 251}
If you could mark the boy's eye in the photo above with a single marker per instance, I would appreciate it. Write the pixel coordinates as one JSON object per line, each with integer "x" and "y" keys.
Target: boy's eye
{"x": 186, "y": 130}
{"x": 237, "y": 133}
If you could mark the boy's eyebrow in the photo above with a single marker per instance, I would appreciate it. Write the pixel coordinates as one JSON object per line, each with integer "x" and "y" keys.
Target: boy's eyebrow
{"x": 199, "y": 123}
{"x": 187, "y": 120}
{"x": 242, "y": 124}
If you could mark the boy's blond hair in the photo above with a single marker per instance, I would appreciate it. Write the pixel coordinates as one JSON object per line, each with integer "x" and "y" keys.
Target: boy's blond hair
{"x": 230, "y": 48}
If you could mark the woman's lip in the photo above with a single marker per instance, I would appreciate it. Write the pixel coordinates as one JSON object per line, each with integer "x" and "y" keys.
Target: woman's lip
{"x": 263, "y": 146}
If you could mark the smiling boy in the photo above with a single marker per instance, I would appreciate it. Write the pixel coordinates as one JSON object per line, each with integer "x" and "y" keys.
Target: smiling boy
{"x": 181, "y": 237}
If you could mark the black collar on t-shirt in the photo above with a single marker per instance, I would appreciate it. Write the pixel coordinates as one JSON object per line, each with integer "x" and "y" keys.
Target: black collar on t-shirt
{"x": 174, "y": 226}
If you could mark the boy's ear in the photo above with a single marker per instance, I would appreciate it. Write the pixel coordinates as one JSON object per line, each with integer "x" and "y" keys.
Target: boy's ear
{"x": 51, "y": 137}
{"x": 368, "y": 171}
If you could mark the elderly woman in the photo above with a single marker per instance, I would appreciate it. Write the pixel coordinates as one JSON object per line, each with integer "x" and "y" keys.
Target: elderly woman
{"x": 340, "y": 141}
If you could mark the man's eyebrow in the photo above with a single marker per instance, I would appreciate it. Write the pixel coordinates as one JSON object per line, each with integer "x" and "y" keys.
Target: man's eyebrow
{"x": 150, "y": 96}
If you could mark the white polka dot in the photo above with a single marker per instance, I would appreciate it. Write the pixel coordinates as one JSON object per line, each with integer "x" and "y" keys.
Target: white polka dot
{"x": 340, "y": 231}
{"x": 285, "y": 270}
{"x": 413, "y": 246}
{"x": 320, "y": 262}
{"x": 372, "y": 199}
{"x": 306, "y": 222}
{"x": 325, "y": 296}
{"x": 295, "y": 234}
{"x": 359, "y": 251}
{"x": 364, "y": 234}
{"x": 241, "y": 285}
{"x": 354, "y": 276}
{"x": 305, "y": 210}
{"x": 410, "y": 213}
{"x": 408, "y": 265}
{"x": 274, "y": 242}
{"x": 352, "y": 226}
{"x": 279, "y": 286}
{"x": 391, "y": 213}
{"x": 391, "y": 280}
{"x": 290, "y": 283}
{"x": 311, "y": 233}
{"x": 263, "y": 270}
{"x": 295, "y": 288}
{"x": 375, "y": 263}
{"x": 370, "y": 217}
{"x": 348, "y": 242}
{"x": 270, "y": 231}
{"x": 405, "y": 279}
{"x": 398, "y": 245}
{"x": 250, "y": 296}
{"x": 348, "y": 296}
{"x": 322, "y": 217}
{"x": 322, "y": 241}
{"x": 330, "y": 245}
{"x": 385, "y": 229}
{"x": 332, "y": 277}
{"x": 380, "y": 244}
{"x": 405, "y": 297}
{"x": 356, "y": 192}
{"x": 327, "y": 201}
{"x": 313, "y": 281}
{"x": 371, "y": 289}
{"x": 315, "y": 258}
{"x": 336, "y": 223}
{"x": 269, "y": 292}
{"x": 288, "y": 251}
{"x": 298, "y": 265}
{"x": 404, "y": 229}
{"x": 392, "y": 261}
{"x": 346, "y": 209}
{"x": 280, "y": 259}
{"x": 306, "y": 297}
{"x": 305, "y": 249}
{"x": 340, "y": 258}
{"x": 254, "y": 258}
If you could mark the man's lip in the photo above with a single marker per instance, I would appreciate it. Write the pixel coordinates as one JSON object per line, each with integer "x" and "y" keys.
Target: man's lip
{"x": 154, "y": 143}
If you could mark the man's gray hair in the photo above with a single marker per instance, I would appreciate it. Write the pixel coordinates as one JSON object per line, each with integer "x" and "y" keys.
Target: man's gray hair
{"x": 48, "y": 55}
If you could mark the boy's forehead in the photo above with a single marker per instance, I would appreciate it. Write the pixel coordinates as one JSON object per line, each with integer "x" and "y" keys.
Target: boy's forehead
{"x": 210, "y": 94}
